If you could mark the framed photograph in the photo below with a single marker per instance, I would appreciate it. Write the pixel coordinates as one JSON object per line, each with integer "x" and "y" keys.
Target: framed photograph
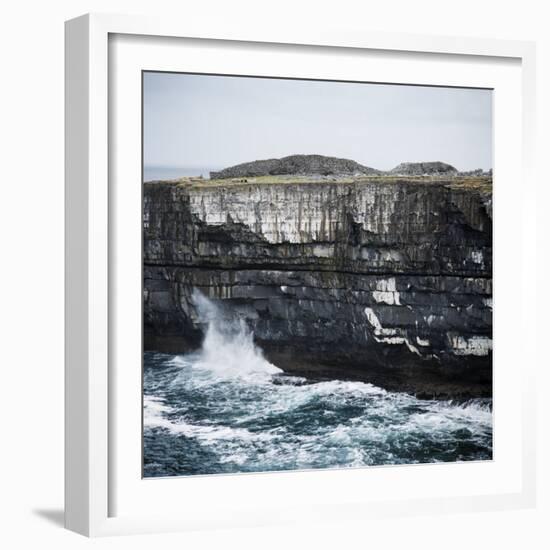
{"x": 290, "y": 292}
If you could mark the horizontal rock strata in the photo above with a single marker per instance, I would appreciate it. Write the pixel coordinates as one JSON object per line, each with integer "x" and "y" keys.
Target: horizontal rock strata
{"x": 387, "y": 281}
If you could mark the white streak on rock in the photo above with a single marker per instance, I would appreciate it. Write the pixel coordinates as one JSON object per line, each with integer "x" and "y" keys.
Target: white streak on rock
{"x": 386, "y": 285}
{"x": 390, "y": 298}
{"x": 387, "y": 335}
{"x": 372, "y": 318}
{"x": 386, "y": 292}
{"x": 412, "y": 348}
{"x": 475, "y": 345}
{"x": 386, "y": 331}
{"x": 477, "y": 257}
{"x": 398, "y": 340}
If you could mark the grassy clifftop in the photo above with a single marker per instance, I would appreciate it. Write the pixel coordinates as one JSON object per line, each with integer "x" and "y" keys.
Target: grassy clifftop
{"x": 483, "y": 183}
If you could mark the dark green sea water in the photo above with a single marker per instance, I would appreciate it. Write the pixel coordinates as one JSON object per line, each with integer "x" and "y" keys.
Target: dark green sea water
{"x": 225, "y": 409}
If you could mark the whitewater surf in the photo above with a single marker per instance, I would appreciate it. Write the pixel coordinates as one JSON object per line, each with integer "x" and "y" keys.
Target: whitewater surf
{"x": 226, "y": 409}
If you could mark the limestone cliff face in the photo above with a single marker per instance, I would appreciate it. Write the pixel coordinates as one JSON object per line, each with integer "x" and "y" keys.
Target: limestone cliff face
{"x": 384, "y": 280}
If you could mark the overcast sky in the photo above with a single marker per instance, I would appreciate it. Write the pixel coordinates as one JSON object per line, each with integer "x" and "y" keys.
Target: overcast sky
{"x": 218, "y": 121}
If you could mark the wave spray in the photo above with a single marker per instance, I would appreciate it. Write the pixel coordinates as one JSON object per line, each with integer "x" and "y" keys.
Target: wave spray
{"x": 226, "y": 409}
{"x": 228, "y": 349}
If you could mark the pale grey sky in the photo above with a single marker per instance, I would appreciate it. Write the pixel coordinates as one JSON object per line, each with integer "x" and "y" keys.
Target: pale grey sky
{"x": 218, "y": 121}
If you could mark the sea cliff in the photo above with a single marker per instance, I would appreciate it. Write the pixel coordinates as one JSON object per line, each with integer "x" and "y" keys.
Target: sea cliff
{"x": 377, "y": 278}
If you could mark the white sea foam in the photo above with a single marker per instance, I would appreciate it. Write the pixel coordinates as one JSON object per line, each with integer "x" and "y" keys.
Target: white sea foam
{"x": 154, "y": 411}
{"x": 155, "y": 406}
{"x": 261, "y": 426}
{"x": 228, "y": 402}
{"x": 212, "y": 434}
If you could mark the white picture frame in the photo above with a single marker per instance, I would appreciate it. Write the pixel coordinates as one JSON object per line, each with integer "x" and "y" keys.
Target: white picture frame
{"x": 94, "y": 444}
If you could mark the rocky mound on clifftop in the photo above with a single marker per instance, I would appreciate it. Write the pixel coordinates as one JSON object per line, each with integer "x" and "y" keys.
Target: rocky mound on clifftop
{"x": 424, "y": 169}
{"x": 295, "y": 165}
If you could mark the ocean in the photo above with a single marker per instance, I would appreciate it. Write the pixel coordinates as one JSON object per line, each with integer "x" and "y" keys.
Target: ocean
{"x": 226, "y": 409}
{"x": 153, "y": 173}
